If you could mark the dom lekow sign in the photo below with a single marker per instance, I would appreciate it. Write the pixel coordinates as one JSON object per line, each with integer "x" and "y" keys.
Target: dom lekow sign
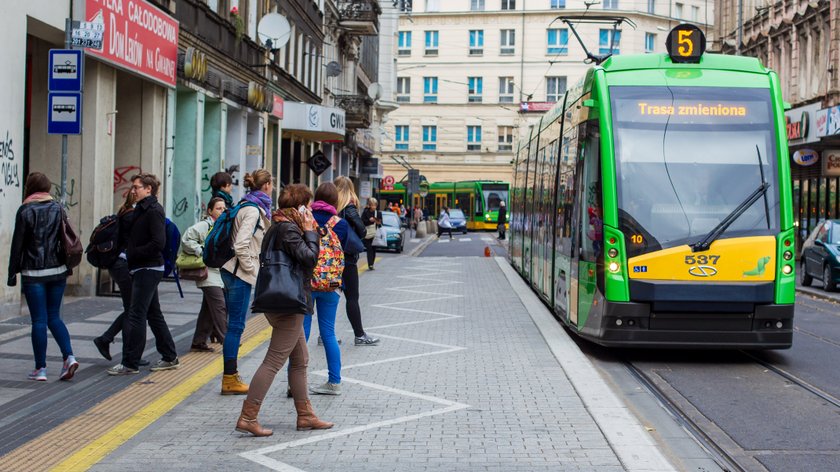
{"x": 137, "y": 36}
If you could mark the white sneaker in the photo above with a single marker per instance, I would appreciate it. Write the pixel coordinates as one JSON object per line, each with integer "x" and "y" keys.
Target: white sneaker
{"x": 39, "y": 374}
{"x": 326, "y": 389}
{"x": 69, "y": 368}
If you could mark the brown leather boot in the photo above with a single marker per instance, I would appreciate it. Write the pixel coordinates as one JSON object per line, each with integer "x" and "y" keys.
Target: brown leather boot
{"x": 306, "y": 417}
{"x": 248, "y": 420}
{"x": 233, "y": 385}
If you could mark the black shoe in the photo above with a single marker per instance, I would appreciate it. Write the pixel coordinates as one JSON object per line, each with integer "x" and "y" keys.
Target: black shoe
{"x": 103, "y": 347}
{"x": 142, "y": 363}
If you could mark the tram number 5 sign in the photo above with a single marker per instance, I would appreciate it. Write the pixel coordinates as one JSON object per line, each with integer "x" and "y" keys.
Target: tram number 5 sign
{"x": 686, "y": 44}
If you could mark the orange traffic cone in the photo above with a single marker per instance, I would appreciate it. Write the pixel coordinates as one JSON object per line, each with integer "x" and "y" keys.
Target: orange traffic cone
{"x": 486, "y": 251}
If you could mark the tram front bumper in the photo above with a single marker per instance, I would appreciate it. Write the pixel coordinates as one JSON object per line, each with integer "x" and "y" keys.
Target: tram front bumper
{"x": 767, "y": 326}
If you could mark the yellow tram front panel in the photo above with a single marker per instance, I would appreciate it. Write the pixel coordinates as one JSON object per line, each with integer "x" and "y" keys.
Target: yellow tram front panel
{"x": 750, "y": 259}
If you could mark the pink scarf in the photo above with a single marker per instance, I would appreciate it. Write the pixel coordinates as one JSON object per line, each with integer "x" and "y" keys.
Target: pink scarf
{"x": 38, "y": 197}
{"x": 323, "y": 206}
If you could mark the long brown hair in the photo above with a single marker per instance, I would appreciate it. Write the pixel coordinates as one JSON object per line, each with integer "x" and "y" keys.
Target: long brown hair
{"x": 36, "y": 182}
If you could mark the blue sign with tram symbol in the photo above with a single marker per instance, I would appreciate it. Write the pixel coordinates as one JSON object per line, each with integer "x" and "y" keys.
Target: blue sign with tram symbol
{"x": 66, "y": 71}
{"x": 65, "y": 113}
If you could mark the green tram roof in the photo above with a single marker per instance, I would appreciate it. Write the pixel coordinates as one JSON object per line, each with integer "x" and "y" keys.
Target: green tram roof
{"x": 662, "y": 61}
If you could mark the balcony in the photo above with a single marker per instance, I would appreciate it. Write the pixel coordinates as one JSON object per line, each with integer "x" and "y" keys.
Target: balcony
{"x": 359, "y": 17}
{"x": 357, "y": 110}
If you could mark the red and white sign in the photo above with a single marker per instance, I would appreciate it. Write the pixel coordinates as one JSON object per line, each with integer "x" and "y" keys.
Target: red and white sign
{"x": 531, "y": 107}
{"x": 138, "y": 37}
{"x": 277, "y": 111}
{"x": 388, "y": 182}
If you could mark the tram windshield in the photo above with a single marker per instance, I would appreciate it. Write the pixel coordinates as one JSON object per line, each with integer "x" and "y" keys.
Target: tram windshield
{"x": 686, "y": 157}
{"x": 492, "y": 198}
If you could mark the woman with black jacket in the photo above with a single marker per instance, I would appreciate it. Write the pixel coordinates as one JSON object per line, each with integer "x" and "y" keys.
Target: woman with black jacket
{"x": 371, "y": 216}
{"x": 294, "y": 232}
{"x": 348, "y": 209}
{"x": 38, "y": 254}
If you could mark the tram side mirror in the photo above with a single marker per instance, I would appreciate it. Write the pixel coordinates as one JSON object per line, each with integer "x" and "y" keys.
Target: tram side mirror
{"x": 787, "y": 106}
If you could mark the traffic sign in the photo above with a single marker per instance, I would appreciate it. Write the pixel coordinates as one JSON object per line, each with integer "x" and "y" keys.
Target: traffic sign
{"x": 66, "y": 70}
{"x": 87, "y": 34}
{"x": 413, "y": 180}
{"x": 65, "y": 113}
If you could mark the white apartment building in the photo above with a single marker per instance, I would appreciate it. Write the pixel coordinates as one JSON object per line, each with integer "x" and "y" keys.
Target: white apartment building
{"x": 473, "y": 75}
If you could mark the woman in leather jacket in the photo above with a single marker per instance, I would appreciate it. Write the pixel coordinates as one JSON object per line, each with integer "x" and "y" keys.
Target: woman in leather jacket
{"x": 371, "y": 216}
{"x": 294, "y": 232}
{"x": 38, "y": 254}
{"x": 348, "y": 210}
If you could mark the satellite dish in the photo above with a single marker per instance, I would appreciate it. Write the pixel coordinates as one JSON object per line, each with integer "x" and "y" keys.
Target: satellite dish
{"x": 375, "y": 91}
{"x": 273, "y": 31}
{"x": 333, "y": 69}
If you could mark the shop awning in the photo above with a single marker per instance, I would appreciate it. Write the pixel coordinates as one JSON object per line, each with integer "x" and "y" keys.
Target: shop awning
{"x": 313, "y": 122}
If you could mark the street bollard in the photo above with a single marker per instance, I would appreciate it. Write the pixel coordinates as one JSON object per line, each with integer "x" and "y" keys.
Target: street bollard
{"x": 432, "y": 227}
{"x": 420, "y": 232}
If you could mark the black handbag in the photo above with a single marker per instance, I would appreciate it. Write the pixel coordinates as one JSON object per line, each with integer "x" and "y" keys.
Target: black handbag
{"x": 280, "y": 285}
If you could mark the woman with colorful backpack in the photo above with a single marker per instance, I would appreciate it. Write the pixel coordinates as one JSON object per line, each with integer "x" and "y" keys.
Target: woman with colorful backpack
{"x": 294, "y": 236}
{"x": 348, "y": 208}
{"x": 39, "y": 254}
{"x": 334, "y": 233}
{"x": 211, "y": 321}
{"x": 239, "y": 274}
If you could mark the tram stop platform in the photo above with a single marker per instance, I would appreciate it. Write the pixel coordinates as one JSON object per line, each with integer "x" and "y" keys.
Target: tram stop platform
{"x": 472, "y": 374}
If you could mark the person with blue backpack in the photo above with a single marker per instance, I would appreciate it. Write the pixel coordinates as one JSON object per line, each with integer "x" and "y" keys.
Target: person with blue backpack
{"x": 241, "y": 229}
{"x": 145, "y": 256}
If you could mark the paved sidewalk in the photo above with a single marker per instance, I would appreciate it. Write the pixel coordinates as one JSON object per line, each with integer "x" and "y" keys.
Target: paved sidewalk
{"x": 463, "y": 380}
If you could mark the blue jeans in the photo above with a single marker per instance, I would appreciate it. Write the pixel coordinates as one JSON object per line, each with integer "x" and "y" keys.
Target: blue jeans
{"x": 326, "y": 304}
{"x": 238, "y": 301}
{"x": 44, "y": 301}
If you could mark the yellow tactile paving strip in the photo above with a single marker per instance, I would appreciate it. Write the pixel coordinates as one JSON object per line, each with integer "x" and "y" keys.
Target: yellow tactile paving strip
{"x": 99, "y": 431}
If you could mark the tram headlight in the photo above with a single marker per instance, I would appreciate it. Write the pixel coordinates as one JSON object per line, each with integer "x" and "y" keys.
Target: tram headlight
{"x": 787, "y": 269}
{"x": 787, "y": 255}
{"x": 613, "y": 252}
{"x": 614, "y": 267}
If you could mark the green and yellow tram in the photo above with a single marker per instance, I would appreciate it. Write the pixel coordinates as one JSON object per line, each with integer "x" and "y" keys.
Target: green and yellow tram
{"x": 652, "y": 206}
{"x": 478, "y": 199}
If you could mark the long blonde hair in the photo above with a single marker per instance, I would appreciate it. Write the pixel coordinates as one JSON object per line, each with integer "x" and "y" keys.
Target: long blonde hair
{"x": 346, "y": 193}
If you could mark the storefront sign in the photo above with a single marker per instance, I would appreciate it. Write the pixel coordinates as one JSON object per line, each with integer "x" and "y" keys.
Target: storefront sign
{"x": 138, "y": 37}
{"x": 277, "y": 110}
{"x": 368, "y": 165}
{"x": 324, "y": 123}
{"x": 821, "y": 119}
{"x": 531, "y": 107}
{"x": 806, "y": 157}
{"x": 800, "y": 129}
{"x": 195, "y": 64}
{"x": 831, "y": 162}
{"x": 365, "y": 189}
{"x": 832, "y": 121}
{"x": 259, "y": 98}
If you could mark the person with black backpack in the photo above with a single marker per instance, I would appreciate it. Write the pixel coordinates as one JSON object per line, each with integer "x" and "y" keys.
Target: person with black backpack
{"x": 144, "y": 252}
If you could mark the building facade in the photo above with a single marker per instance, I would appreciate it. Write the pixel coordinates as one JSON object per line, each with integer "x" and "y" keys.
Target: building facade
{"x": 800, "y": 40}
{"x": 473, "y": 75}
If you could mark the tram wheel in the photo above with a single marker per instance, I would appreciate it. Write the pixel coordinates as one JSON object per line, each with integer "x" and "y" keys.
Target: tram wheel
{"x": 806, "y": 278}
{"x": 828, "y": 281}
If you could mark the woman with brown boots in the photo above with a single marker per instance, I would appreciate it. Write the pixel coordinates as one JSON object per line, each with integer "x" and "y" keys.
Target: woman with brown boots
{"x": 293, "y": 232}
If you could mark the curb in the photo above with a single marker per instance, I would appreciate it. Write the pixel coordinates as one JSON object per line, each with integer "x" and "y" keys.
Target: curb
{"x": 421, "y": 247}
{"x": 818, "y": 293}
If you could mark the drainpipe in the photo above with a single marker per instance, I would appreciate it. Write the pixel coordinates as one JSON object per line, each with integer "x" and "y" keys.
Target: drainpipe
{"x": 169, "y": 152}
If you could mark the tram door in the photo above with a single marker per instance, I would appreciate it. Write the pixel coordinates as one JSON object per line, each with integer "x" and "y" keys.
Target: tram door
{"x": 440, "y": 202}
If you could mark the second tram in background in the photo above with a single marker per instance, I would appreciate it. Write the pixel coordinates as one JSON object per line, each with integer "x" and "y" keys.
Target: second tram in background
{"x": 478, "y": 199}
{"x": 652, "y": 206}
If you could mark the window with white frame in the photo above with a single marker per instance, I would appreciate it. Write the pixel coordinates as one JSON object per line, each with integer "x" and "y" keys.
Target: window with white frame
{"x": 404, "y": 43}
{"x": 505, "y": 138}
{"x": 678, "y": 10}
{"x": 607, "y": 38}
{"x": 476, "y": 42}
{"x": 432, "y": 38}
{"x": 477, "y": 5}
{"x": 430, "y": 89}
{"x": 557, "y": 41}
{"x": 650, "y": 42}
{"x": 651, "y": 6}
{"x": 508, "y": 4}
{"x": 557, "y": 4}
{"x": 403, "y": 89}
{"x": 507, "y": 43}
{"x": 475, "y": 88}
{"x": 473, "y": 138}
{"x": 432, "y": 5}
{"x": 555, "y": 87}
{"x": 695, "y": 13}
{"x": 401, "y": 137}
{"x": 610, "y": 4}
{"x": 505, "y": 89}
{"x": 429, "y": 138}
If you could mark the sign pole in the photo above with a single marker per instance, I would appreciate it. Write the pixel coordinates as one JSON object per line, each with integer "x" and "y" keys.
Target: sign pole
{"x": 68, "y": 27}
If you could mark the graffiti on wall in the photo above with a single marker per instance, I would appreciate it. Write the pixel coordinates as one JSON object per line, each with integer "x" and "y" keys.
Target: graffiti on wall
{"x": 232, "y": 170}
{"x": 8, "y": 167}
{"x": 70, "y": 193}
{"x": 205, "y": 175}
{"x": 121, "y": 175}
{"x": 181, "y": 207}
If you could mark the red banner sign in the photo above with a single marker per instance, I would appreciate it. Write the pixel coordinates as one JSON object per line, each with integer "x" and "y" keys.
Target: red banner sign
{"x": 138, "y": 37}
{"x": 530, "y": 107}
{"x": 278, "y": 107}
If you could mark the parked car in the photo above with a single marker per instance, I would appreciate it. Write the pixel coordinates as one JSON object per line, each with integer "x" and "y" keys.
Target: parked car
{"x": 458, "y": 220}
{"x": 821, "y": 256}
{"x": 394, "y": 230}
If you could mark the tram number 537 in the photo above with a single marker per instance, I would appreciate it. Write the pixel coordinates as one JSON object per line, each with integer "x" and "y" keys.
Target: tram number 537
{"x": 702, "y": 259}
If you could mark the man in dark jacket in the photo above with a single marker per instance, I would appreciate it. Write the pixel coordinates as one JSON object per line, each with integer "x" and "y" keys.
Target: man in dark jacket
{"x": 502, "y": 220}
{"x": 145, "y": 263}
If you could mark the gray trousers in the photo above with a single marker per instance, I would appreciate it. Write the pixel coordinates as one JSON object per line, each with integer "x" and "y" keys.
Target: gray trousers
{"x": 212, "y": 318}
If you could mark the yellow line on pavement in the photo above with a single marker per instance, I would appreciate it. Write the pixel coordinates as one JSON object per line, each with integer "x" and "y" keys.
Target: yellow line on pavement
{"x": 106, "y": 443}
